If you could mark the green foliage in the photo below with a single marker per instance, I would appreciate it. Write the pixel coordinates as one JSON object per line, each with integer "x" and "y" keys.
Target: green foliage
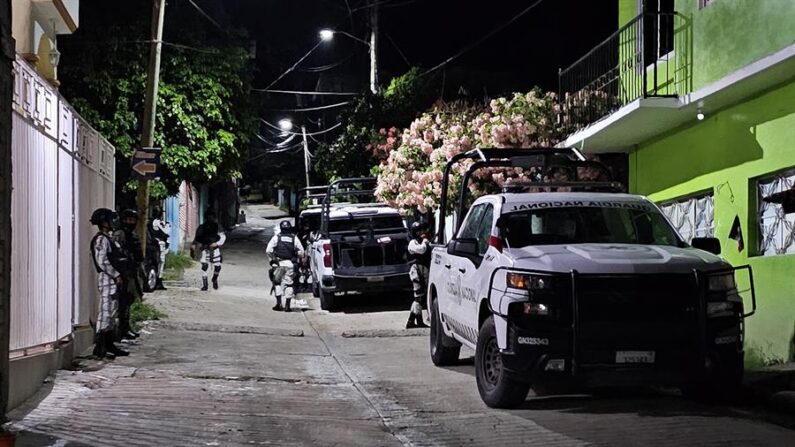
{"x": 204, "y": 115}
{"x": 176, "y": 265}
{"x": 397, "y": 105}
{"x": 141, "y": 311}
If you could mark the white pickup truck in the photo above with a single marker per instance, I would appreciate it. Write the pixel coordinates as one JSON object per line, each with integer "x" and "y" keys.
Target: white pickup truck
{"x": 593, "y": 288}
{"x": 361, "y": 247}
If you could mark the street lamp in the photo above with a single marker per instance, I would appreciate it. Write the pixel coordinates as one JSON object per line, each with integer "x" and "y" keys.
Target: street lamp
{"x": 286, "y": 124}
{"x": 327, "y": 35}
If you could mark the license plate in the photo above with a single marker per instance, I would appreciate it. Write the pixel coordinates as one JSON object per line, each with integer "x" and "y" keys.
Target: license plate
{"x": 375, "y": 279}
{"x": 634, "y": 356}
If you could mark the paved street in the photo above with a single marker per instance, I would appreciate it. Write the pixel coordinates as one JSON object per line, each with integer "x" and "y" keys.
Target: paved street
{"x": 223, "y": 369}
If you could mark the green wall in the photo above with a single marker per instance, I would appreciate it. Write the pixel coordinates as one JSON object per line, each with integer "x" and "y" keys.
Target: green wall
{"x": 726, "y": 152}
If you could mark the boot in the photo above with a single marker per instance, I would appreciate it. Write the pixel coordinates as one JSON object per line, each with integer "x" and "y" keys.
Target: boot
{"x": 204, "y": 283}
{"x": 113, "y": 349}
{"x": 278, "y": 306}
{"x": 411, "y": 324}
{"x": 287, "y": 305}
{"x": 159, "y": 284}
{"x": 215, "y": 282}
{"x": 100, "y": 349}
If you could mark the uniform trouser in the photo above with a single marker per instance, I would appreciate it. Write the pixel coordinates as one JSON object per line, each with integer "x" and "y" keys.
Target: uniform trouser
{"x": 161, "y": 266}
{"x": 211, "y": 256}
{"x": 126, "y": 299}
{"x": 419, "y": 282}
{"x": 283, "y": 280}
{"x": 108, "y": 304}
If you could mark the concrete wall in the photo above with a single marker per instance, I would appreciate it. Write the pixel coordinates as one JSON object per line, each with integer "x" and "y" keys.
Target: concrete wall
{"x": 726, "y": 153}
{"x": 6, "y": 89}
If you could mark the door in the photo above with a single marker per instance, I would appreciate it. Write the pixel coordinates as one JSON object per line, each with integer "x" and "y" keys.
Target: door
{"x": 457, "y": 266}
{"x": 476, "y": 271}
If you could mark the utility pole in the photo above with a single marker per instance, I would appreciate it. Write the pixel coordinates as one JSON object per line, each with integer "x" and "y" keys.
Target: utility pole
{"x": 7, "y": 54}
{"x": 306, "y": 156}
{"x": 374, "y": 46}
{"x": 150, "y": 110}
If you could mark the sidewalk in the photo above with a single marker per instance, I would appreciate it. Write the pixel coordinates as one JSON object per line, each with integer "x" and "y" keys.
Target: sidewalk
{"x": 774, "y": 386}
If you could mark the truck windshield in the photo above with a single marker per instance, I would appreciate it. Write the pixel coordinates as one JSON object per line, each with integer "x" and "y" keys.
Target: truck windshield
{"x": 582, "y": 225}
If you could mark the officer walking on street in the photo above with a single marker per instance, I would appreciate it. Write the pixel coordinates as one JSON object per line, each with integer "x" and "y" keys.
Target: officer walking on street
{"x": 160, "y": 230}
{"x": 109, "y": 261}
{"x": 284, "y": 250}
{"x": 420, "y": 260}
{"x": 209, "y": 239}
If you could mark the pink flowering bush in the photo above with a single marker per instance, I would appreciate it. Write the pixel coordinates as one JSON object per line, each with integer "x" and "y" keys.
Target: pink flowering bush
{"x": 409, "y": 178}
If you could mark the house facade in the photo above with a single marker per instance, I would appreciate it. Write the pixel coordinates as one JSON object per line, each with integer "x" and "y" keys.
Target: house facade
{"x": 700, "y": 94}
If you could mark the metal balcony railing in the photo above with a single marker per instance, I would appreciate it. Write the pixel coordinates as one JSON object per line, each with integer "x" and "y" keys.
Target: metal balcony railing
{"x": 647, "y": 57}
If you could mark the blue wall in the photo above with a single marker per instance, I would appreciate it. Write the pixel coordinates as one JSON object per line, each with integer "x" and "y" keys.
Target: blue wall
{"x": 172, "y": 217}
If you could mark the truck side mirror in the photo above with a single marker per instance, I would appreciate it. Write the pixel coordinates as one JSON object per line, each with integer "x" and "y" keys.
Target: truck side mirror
{"x": 709, "y": 244}
{"x": 463, "y": 247}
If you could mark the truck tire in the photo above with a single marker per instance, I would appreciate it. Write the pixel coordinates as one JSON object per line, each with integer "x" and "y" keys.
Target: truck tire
{"x": 315, "y": 288}
{"x": 495, "y": 387}
{"x": 444, "y": 350}
{"x": 326, "y": 299}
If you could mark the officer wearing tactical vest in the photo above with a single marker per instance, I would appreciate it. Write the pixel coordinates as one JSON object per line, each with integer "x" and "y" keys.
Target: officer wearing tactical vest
{"x": 420, "y": 260}
{"x": 110, "y": 262}
{"x": 284, "y": 250}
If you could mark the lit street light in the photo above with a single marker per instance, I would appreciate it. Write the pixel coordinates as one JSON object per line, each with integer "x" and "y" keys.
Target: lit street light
{"x": 286, "y": 124}
{"x": 327, "y": 35}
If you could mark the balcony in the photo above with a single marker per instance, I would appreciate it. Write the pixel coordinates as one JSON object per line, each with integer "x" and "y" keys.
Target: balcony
{"x": 637, "y": 85}
{"x": 638, "y": 61}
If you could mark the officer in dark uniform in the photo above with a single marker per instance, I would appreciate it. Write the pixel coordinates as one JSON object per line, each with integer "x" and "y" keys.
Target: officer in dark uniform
{"x": 420, "y": 260}
{"x": 132, "y": 290}
{"x": 210, "y": 238}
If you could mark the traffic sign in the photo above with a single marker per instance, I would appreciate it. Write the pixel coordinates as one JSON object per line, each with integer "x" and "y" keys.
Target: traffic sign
{"x": 146, "y": 162}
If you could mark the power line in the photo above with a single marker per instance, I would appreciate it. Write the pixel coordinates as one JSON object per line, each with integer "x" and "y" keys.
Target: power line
{"x": 208, "y": 17}
{"x": 309, "y": 109}
{"x": 296, "y": 92}
{"x": 321, "y": 132}
{"x": 482, "y": 39}
{"x": 320, "y": 42}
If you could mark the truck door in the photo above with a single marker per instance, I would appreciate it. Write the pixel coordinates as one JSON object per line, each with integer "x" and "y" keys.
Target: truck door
{"x": 457, "y": 267}
{"x": 476, "y": 270}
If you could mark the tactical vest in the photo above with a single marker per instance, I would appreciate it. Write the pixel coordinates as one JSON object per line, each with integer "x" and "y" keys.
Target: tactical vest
{"x": 421, "y": 259}
{"x": 115, "y": 255}
{"x": 285, "y": 247}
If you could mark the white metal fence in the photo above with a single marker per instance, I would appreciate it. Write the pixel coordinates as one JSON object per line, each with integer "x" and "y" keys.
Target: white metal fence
{"x": 62, "y": 170}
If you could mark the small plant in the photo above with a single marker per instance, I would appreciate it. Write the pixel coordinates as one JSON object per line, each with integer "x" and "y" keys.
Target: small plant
{"x": 759, "y": 357}
{"x": 141, "y": 311}
{"x": 176, "y": 265}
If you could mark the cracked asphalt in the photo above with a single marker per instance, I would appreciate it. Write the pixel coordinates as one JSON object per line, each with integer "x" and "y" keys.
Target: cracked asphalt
{"x": 223, "y": 369}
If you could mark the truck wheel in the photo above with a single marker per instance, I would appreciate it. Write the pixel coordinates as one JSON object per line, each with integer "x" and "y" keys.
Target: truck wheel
{"x": 315, "y": 288}
{"x": 326, "y": 299}
{"x": 151, "y": 279}
{"x": 444, "y": 350}
{"x": 721, "y": 385}
{"x": 496, "y": 389}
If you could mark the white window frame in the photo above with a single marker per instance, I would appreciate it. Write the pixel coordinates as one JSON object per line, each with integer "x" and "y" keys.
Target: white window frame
{"x": 692, "y": 215}
{"x": 775, "y": 230}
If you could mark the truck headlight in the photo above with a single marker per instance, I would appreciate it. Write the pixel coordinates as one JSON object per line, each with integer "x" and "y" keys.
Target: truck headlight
{"x": 723, "y": 282}
{"x": 526, "y": 281}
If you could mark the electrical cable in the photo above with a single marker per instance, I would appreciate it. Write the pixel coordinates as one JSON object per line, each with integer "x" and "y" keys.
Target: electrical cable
{"x": 321, "y": 132}
{"x": 400, "y": 52}
{"x": 482, "y": 39}
{"x": 326, "y": 67}
{"x": 309, "y": 109}
{"x": 208, "y": 17}
{"x": 296, "y": 92}
{"x": 320, "y": 42}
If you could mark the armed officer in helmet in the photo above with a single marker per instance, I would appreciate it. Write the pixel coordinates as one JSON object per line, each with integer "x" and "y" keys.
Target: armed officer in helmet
{"x": 160, "y": 230}
{"x": 209, "y": 238}
{"x": 109, "y": 261}
{"x": 132, "y": 290}
{"x": 420, "y": 260}
{"x": 284, "y": 250}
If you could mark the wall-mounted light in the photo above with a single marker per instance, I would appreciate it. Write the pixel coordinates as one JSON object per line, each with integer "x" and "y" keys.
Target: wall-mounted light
{"x": 55, "y": 56}
{"x": 700, "y": 115}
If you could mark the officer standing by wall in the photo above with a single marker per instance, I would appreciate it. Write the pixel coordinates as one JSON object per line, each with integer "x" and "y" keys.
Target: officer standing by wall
{"x": 109, "y": 261}
{"x": 209, "y": 238}
{"x": 284, "y": 249}
{"x": 132, "y": 289}
{"x": 420, "y": 259}
{"x": 160, "y": 230}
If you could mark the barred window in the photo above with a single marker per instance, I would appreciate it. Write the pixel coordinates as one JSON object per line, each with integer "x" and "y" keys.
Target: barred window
{"x": 776, "y": 230}
{"x": 693, "y": 216}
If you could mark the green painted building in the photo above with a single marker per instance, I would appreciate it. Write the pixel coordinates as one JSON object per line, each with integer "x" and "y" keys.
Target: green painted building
{"x": 700, "y": 95}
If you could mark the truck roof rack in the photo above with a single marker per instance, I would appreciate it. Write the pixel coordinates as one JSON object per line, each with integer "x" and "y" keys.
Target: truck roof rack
{"x": 347, "y": 187}
{"x": 543, "y": 162}
{"x": 310, "y": 192}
